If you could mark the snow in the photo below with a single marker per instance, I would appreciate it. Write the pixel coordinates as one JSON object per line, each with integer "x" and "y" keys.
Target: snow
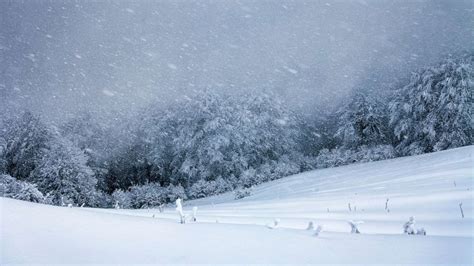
{"x": 420, "y": 186}
{"x": 108, "y": 92}
{"x": 172, "y": 66}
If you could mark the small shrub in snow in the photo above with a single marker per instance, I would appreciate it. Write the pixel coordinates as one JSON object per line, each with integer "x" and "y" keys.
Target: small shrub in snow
{"x": 421, "y": 231}
{"x": 318, "y": 230}
{"x": 179, "y": 209}
{"x": 242, "y": 193}
{"x": 161, "y": 208}
{"x": 275, "y": 224}
{"x": 310, "y": 226}
{"x": 355, "y": 226}
{"x": 462, "y": 211}
{"x": 409, "y": 227}
{"x": 194, "y": 213}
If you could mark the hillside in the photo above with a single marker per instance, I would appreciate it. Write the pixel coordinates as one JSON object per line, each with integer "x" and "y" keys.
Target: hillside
{"x": 429, "y": 187}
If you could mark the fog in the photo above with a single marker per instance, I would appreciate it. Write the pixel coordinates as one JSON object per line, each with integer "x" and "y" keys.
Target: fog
{"x": 58, "y": 58}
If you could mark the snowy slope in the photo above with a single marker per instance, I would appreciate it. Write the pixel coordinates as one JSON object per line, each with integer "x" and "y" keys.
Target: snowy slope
{"x": 429, "y": 187}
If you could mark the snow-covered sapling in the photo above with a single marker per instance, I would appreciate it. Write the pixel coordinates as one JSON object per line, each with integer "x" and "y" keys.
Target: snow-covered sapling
{"x": 318, "y": 230}
{"x": 83, "y": 205}
{"x": 161, "y": 207}
{"x": 349, "y": 204}
{"x": 421, "y": 231}
{"x": 409, "y": 227}
{"x": 194, "y": 213}
{"x": 274, "y": 225}
{"x": 310, "y": 226}
{"x": 386, "y": 204}
{"x": 354, "y": 226}
{"x": 179, "y": 209}
{"x": 462, "y": 212}
{"x": 117, "y": 206}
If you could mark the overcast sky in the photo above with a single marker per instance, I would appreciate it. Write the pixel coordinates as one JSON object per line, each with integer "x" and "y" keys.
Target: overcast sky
{"x": 60, "y": 57}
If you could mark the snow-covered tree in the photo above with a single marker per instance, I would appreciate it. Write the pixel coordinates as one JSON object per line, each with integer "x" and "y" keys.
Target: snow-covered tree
{"x": 27, "y": 139}
{"x": 362, "y": 122}
{"x": 215, "y": 138}
{"x": 3, "y": 154}
{"x": 94, "y": 139}
{"x": 63, "y": 173}
{"x": 147, "y": 196}
{"x": 434, "y": 111}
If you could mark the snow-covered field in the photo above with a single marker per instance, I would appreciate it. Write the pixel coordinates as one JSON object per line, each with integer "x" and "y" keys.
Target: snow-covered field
{"x": 429, "y": 187}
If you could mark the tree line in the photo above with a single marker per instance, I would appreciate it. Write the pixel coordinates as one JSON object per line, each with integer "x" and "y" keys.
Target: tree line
{"x": 209, "y": 143}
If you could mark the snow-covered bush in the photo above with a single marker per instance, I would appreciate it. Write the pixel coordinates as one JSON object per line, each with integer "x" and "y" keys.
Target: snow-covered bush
{"x": 274, "y": 225}
{"x": 204, "y": 188}
{"x": 409, "y": 227}
{"x": 175, "y": 192}
{"x": 355, "y": 226}
{"x": 15, "y": 189}
{"x": 318, "y": 230}
{"x": 122, "y": 199}
{"x": 342, "y": 156}
{"x": 147, "y": 196}
{"x": 242, "y": 193}
{"x": 421, "y": 232}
